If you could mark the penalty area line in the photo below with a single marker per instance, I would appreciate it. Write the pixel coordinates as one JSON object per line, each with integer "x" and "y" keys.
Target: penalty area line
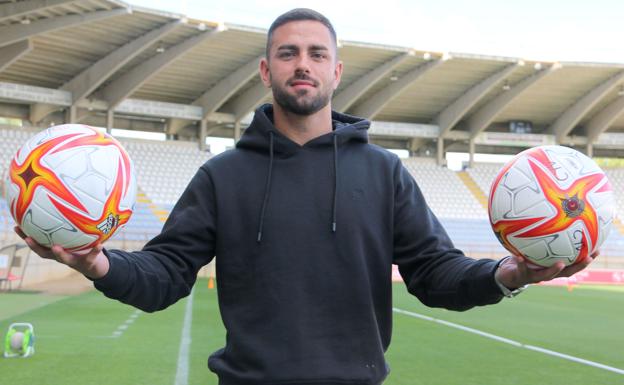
{"x": 510, "y": 342}
{"x": 182, "y": 372}
{"x": 124, "y": 326}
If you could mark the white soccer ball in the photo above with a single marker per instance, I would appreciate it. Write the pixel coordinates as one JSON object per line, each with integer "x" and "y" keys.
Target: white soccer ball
{"x": 551, "y": 203}
{"x": 17, "y": 342}
{"x": 71, "y": 185}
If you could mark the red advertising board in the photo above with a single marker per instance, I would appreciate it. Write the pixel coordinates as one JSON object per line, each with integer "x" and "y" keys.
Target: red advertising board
{"x": 593, "y": 276}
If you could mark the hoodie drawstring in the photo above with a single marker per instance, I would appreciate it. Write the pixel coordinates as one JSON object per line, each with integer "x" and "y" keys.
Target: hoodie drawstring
{"x": 267, "y": 188}
{"x": 335, "y": 183}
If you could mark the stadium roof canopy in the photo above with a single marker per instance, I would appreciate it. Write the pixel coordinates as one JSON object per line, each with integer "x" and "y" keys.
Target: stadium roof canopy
{"x": 111, "y": 64}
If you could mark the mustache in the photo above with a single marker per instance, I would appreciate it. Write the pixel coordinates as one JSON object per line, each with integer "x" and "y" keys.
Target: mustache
{"x": 303, "y": 77}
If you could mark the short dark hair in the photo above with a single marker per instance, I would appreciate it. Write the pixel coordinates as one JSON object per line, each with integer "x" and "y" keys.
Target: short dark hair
{"x": 299, "y": 14}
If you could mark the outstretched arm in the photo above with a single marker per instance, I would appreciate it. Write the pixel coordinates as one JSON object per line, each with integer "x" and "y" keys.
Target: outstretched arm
{"x": 433, "y": 269}
{"x": 166, "y": 269}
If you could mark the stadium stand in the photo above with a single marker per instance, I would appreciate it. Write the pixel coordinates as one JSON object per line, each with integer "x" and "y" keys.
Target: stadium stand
{"x": 189, "y": 78}
{"x": 447, "y": 196}
{"x": 143, "y": 226}
{"x": 10, "y": 141}
{"x": 616, "y": 177}
{"x": 164, "y": 168}
{"x": 474, "y": 237}
{"x": 463, "y": 216}
{"x": 483, "y": 174}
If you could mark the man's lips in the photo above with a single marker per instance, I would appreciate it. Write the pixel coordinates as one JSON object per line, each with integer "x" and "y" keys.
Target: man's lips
{"x": 302, "y": 83}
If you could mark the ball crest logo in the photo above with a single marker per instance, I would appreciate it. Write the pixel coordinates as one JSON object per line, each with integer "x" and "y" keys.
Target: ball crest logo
{"x": 71, "y": 185}
{"x": 573, "y": 207}
{"x": 551, "y": 203}
{"x": 109, "y": 225}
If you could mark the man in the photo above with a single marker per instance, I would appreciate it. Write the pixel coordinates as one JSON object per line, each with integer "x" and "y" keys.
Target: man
{"x": 305, "y": 218}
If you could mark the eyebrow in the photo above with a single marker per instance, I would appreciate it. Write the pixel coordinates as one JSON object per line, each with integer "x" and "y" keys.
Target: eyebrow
{"x": 318, "y": 47}
{"x": 313, "y": 47}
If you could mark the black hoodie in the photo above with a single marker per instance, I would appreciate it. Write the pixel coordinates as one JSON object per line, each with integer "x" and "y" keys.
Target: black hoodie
{"x": 305, "y": 238}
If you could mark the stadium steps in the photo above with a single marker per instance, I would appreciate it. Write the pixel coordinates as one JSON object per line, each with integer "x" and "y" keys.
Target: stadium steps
{"x": 160, "y": 213}
{"x": 472, "y": 186}
{"x": 154, "y": 208}
{"x": 617, "y": 223}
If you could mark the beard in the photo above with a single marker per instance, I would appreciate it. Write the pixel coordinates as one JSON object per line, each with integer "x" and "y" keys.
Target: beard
{"x": 301, "y": 103}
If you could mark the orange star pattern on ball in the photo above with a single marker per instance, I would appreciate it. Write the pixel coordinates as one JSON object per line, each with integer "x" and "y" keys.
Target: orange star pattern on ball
{"x": 568, "y": 203}
{"x": 31, "y": 175}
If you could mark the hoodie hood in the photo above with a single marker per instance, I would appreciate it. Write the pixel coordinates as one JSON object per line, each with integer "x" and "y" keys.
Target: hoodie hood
{"x": 256, "y": 137}
{"x": 262, "y": 136}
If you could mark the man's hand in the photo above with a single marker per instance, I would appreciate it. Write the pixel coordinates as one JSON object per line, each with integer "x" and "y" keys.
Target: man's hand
{"x": 93, "y": 264}
{"x": 515, "y": 272}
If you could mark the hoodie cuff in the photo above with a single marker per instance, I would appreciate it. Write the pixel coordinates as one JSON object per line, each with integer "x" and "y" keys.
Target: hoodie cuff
{"x": 111, "y": 284}
{"x": 490, "y": 291}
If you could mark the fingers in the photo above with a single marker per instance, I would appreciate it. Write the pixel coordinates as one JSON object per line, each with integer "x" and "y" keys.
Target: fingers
{"x": 517, "y": 271}
{"x": 56, "y": 252}
{"x": 96, "y": 250}
{"x": 42, "y": 251}
{"x": 573, "y": 269}
{"x": 62, "y": 255}
{"x": 545, "y": 274}
{"x": 531, "y": 274}
{"x": 560, "y": 270}
{"x": 19, "y": 232}
{"x": 92, "y": 263}
{"x": 521, "y": 264}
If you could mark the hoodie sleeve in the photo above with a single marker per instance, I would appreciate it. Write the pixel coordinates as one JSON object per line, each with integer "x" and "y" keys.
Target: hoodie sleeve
{"x": 433, "y": 269}
{"x": 166, "y": 268}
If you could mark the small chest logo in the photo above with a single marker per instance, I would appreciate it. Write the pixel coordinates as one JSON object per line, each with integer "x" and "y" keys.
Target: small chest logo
{"x": 357, "y": 194}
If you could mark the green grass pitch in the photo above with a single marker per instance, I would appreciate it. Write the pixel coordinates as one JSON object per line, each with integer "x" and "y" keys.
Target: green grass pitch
{"x": 89, "y": 339}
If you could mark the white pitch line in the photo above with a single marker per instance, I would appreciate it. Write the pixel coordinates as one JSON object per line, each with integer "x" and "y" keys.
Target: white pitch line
{"x": 121, "y": 328}
{"x": 182, "y": 371}
{"x": 510, "y": 342}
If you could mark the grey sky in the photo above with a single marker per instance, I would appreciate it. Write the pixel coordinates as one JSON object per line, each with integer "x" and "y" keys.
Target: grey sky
{"x": 549, "y": 30}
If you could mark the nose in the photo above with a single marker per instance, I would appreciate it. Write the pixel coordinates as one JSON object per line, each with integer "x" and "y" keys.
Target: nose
{"x": 303, "y": 64}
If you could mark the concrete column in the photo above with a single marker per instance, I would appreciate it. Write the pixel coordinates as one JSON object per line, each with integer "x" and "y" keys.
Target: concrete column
{"x": 237, "y": 130}
{"x": 590, "y": 150}
{"x": 440, "y": 154}
{"x": 203, "y": 129}
{"x": 413, "y": 145}
{"x": 110, "y": 118}
{"x": 71, "y": 115}
{"x": 471, "y": 152}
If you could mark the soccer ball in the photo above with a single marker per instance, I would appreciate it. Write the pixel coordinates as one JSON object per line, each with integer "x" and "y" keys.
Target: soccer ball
{"x": 17, "y": 342}
{"x": 71, "y": 185}
{"x": 551, "y": 203}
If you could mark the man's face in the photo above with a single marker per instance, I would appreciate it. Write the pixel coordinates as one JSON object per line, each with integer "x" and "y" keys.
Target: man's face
{"x": 302, "y": 68}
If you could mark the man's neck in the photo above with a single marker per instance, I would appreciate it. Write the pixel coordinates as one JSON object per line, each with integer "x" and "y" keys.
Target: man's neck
{"x": 301, "y": 129}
